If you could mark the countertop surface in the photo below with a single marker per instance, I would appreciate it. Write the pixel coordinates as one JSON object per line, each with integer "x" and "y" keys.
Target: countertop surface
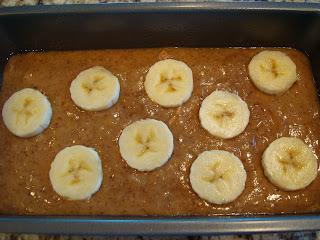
{"x": 278, "y": 236}
{"x": 271, "y": 236}
{"x": 48, "y": 2}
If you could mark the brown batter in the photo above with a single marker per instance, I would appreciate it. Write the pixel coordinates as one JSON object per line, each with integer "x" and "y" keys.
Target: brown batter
{"x": 25, "y": 163}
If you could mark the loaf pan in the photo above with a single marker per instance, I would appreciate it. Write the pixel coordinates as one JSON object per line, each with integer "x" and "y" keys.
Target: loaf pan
{"x": 139, "y": 25}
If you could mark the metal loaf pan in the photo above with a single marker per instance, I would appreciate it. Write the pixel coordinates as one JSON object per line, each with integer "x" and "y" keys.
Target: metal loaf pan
{"x": 234, "y": 24}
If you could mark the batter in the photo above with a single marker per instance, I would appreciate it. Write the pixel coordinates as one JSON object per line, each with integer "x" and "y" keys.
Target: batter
{"x": 25, "y": 163}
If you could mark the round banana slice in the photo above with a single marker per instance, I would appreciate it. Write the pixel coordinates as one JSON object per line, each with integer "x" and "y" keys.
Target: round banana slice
{"x": 146, "y": 144}
{"x": 272, "y": 72}
{"x": 27, "y": 113}
{"x": 169, "y": 83}
{"x": 224, "y": 114}
{"x": 76, "y": 172}
{"x": 289, "y": 164}
{"x": 95, "y": 89}
{"x": 218, "y": 176}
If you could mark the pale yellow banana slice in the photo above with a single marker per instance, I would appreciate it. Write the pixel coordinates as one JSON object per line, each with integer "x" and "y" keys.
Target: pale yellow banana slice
{"x": 218, "y": 176}
{"x": 27, "y": 113}
{"x": 76, "y": 172}
{"x": 224, "y": 115}
{"x": 169, "y": 83}
{"x": 146, "y": 144}
{"x": 272, "y": 72}
{"x": 289, "y": 164}
{"x": 95, "y": 89}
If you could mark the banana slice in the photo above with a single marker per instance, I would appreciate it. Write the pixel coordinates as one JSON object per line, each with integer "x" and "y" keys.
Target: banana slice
{"x": 146, "y": 144}
{"x": 272, "y": 72}
{"x": 27, "y": 113}
{"x": 76, "y": 172}
{"x": 224, "y": 114}
{"x": 95, "y": 89}
{"x": 218, "y": 176}
{"x": 169, "y": 83}
{"x": 289, "y": 164}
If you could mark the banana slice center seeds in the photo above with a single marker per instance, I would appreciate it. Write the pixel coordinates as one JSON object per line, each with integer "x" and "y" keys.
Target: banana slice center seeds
{"x": 95, "y": 84}
{"x": 221, "y": 113}
{"x": 170, "y": 81}
{"x": 23, "y": 115}
{"x": 273, "y": 68}
{"x": 146, "y": 145}
{"x": 291, "y": 160}
{"x": 76, "y": 166}
{"x": 217, "y": 174}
